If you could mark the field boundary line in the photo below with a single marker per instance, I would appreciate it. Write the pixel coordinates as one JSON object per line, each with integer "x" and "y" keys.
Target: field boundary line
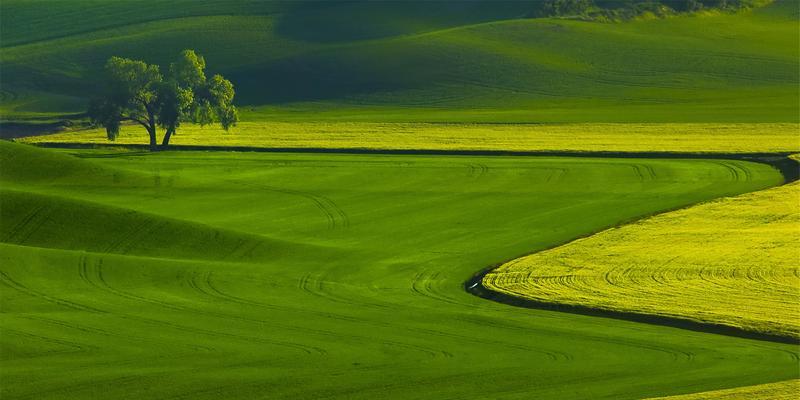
{"x": 788, "y": 167}
{"x": 779, "y": 160}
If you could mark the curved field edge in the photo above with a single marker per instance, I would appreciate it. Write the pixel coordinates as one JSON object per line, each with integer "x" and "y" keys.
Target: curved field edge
{"x": 784, "y": 390}
{"x": 405, "y": 318}
{"x": 497, "y": 283}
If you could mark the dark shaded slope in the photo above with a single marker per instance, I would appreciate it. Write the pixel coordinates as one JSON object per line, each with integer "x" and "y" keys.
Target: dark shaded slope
{"x": 426, "y": 57}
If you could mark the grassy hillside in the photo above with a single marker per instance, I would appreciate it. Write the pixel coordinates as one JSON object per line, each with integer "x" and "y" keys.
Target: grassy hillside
{"x": 420, "y": 61}
{"x": 731, "y": 262}
{"x": 362, "y": 296}
{"x": 41, "y": 221}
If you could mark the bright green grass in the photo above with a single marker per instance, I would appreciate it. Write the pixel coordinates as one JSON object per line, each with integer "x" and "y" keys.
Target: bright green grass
{"x": 400, "y": 61}
{"x": 208, "y": 275}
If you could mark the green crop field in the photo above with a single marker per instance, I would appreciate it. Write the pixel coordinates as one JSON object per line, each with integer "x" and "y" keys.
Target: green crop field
{"x": 200, "y": 275}
{"x": 477, "y": 61}
{"x": 300, "y": 274}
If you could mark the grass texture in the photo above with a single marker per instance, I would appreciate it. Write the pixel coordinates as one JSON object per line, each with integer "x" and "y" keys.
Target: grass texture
{"x": 414, "y": 61}
{"x": 208, "y": 275}
{"x": 732, "y": 262}
{"x": 726, "y": 138}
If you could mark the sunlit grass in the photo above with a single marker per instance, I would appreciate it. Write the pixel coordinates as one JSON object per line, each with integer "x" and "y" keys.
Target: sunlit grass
{"x": 733, "y": 262}
{"x": 767, "y": 137}
{"x": 300, "y": 276}
{"x": 784, "y": 390}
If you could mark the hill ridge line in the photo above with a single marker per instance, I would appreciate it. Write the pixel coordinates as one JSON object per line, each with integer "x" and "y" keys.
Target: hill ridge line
{"x": 323, "y": 46}
{"x": 259, "y": 238}
{"x": 136, "y": 256}
{"x": 101, "y": 29}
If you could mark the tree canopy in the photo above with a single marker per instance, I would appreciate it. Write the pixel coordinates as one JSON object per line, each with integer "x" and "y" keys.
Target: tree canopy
{"x": 137, "y": 92}
{"x": 627, "y": 9}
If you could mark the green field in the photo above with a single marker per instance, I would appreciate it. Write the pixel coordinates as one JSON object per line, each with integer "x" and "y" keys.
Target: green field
{"x": 416, "y": 61}
{"x": 181, "y": 274}
{"x": 207, "y": 275}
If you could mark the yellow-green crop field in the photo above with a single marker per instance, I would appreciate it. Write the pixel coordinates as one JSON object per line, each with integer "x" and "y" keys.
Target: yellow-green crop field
{"x": 733, "y": 261}
{"x": 784, "y": 390}
{"x": 690, "y": 137}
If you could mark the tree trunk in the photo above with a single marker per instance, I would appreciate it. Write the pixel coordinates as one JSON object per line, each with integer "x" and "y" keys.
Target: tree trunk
{"x": 167, "y": 135}
{"x": 151, "y": 127}
{"x": 153, "y": 142}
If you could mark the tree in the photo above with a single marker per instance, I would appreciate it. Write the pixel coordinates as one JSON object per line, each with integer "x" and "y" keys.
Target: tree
{"x": 566, "y": 7}
{"x": 137, "y": 92}
{"x": 692, "y": 6}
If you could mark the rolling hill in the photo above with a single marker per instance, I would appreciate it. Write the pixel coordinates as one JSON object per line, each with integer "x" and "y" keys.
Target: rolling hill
{"x": 204, "y": 274}
{"x": 140, "y": 275}
{"x": 418, "y": 61}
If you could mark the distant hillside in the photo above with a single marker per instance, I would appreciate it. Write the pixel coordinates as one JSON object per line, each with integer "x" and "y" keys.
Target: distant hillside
{"x": 419, "y": 60}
